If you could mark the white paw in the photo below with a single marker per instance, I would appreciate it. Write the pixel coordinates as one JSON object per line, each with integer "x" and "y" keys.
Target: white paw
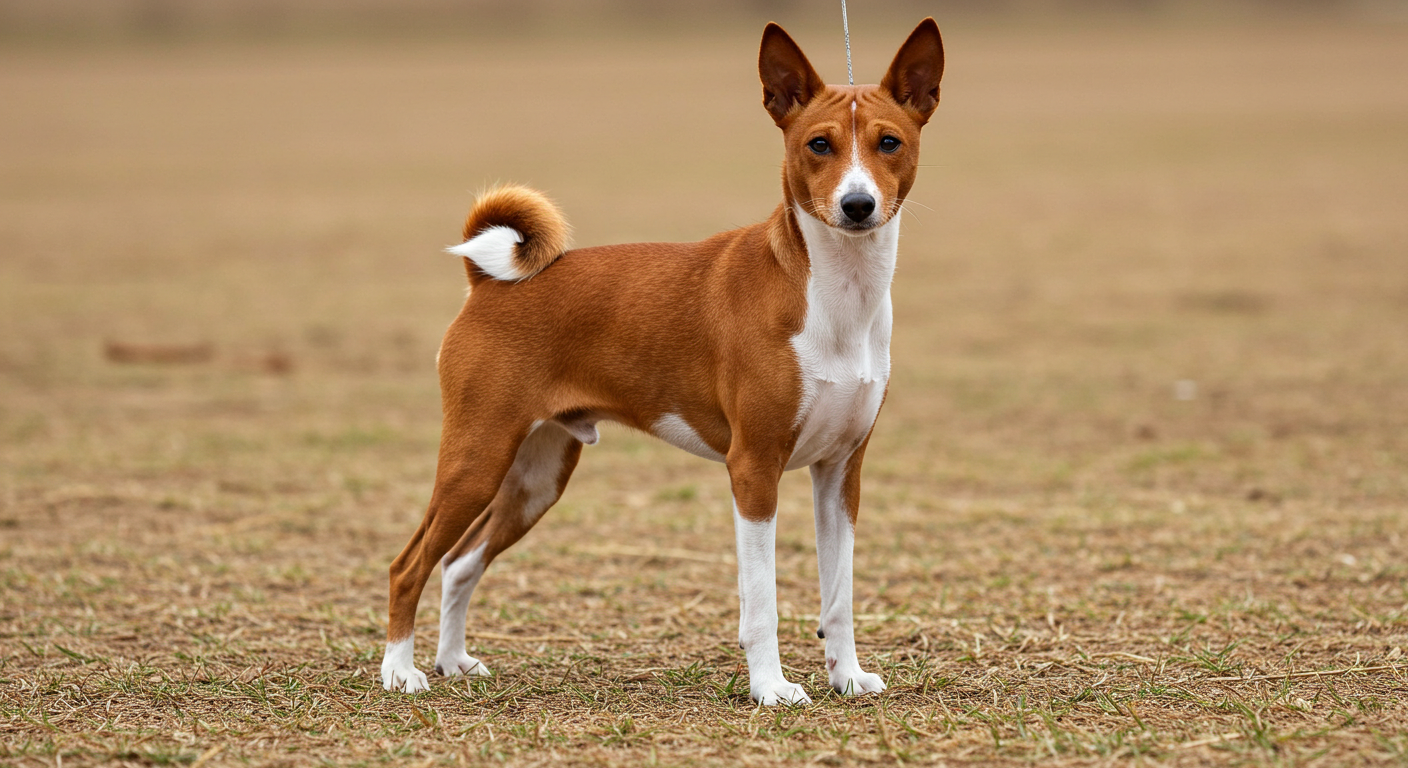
{"x": 407, "y": 679}
{"x": 779, "y": 692}
{"x": 461, "y": 664}
{"x": 398, "y": 668}
{"x": 856, "y": 683}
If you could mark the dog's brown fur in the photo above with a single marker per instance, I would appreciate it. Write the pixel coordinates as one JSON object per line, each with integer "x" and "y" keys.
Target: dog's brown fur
{"x": 630, "y": 333}
{"x": 542, "y": 226}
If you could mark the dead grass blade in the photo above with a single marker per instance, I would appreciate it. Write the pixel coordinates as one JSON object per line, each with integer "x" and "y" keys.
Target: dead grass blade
{"x": 207, "y": 755}
{"x": 1218, "y": 739}
{"x": 661, "y": 553}
{"x": 526, "y": 638}
{"x": 1295, "y": 675}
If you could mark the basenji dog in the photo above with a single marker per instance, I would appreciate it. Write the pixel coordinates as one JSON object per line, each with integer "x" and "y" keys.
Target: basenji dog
{"x": 766, "y": 348}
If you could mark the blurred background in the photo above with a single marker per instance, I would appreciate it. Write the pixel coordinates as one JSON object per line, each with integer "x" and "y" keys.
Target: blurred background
{"x": 1150, "y": 348}
{"x": 134, "y": 18}
{"x": 1118, "y": 197}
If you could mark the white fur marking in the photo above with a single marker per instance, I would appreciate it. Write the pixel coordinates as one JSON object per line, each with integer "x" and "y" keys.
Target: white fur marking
{"x": 457, "y": 582}
{"x": 673, "y": 429}
{"x": 398, "y": 668}
{"x": 537, "y": 468}
{"x": 757, "y": 620}
{"x": 857, "y": 179}
{"x": 835, "y": 543}
{"x": 493, "y": 251}
{"x": 844, "y": 347}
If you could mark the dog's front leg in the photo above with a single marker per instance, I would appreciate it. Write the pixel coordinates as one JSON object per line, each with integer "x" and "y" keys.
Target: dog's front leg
{"x": 836, "y": 500}
{"x": 755, "y": 532}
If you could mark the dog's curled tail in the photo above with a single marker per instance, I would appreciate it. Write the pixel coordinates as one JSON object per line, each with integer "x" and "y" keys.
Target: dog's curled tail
{"x": 511, "y": 234}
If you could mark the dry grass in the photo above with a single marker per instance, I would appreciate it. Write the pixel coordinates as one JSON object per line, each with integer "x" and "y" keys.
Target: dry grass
{"x": 1058, "y": 561}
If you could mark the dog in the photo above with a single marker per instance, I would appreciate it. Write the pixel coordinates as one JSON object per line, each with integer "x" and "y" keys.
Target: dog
{"x": 766, "y": 348}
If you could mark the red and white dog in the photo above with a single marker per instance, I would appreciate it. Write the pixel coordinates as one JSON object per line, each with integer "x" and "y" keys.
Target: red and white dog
{"x": 766, "y": 348}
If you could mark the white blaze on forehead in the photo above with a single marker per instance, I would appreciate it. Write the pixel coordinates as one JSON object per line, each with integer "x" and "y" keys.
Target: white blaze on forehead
{"x": 855, "y": 134}
{"x": 857, "y": 178}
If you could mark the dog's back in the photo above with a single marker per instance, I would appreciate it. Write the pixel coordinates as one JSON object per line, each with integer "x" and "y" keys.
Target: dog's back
{"x": 591, "y": 333}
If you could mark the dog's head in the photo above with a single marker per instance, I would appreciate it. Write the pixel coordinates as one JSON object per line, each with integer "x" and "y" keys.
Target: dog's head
{"x": 852, "y": 150}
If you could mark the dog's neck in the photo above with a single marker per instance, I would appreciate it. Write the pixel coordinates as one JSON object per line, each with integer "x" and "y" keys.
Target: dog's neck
{"x": 850, "y": 273}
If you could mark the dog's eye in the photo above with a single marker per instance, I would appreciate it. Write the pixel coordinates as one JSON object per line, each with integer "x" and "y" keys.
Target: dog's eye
{"x": 889, "y": 144}
{"x": 820, "y": 146}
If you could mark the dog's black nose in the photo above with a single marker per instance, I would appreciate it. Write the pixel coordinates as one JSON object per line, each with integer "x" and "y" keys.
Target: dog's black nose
{"x": 857, "y": 206}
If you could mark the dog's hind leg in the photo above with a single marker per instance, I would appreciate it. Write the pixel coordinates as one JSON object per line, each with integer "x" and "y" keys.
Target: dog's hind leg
{"x": 540, "y": 472}
{"x": 474, "y": 459}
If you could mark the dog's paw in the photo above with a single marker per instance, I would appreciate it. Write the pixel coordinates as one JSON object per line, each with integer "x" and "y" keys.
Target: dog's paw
{"x": 779, "y": 692}
{"x": 405, "y": 679}
{"x": 398, "y": 668}
{"x": 856, "y": 683}
{"x": 461, "y": 664}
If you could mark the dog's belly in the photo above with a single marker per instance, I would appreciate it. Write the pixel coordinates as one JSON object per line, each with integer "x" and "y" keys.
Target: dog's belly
{"x": 673, "y": 429}
{"x": 837, "y": 419}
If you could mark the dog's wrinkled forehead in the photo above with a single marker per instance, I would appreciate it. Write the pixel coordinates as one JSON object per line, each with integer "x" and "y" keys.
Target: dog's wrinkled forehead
{"x": 791, "y": 84}
{"x": 853, "y": 107}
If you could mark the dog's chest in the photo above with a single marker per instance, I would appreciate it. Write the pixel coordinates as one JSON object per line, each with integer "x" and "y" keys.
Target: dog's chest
{"x": 843, "y": 354}
{"x": 843, "y": 350}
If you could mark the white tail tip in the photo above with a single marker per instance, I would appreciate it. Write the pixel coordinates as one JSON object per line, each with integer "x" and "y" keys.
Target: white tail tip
{"x": 493, "y": 252}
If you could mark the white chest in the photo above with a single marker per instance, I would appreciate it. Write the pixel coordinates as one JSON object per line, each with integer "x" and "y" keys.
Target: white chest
{"x": 843, "y": 350}
{"x": 842, "y": 388}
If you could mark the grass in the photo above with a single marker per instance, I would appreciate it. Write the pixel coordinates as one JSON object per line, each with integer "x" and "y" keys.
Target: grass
{"x": 1059, "y": 561}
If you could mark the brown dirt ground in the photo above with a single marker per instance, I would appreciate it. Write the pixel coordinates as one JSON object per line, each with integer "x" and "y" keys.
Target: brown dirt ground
{"x": 1058, "y": 561}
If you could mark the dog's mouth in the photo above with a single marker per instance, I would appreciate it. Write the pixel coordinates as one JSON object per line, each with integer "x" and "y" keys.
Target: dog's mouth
{"x": 862, "y": 227}
{"x": 858, "y": 227}
{"x": 837, "y": 221}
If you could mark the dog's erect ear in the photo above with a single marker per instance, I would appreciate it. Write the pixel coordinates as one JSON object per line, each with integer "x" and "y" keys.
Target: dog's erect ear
{"x": 914, "y": 75}
{"x": 789, "y": 81}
